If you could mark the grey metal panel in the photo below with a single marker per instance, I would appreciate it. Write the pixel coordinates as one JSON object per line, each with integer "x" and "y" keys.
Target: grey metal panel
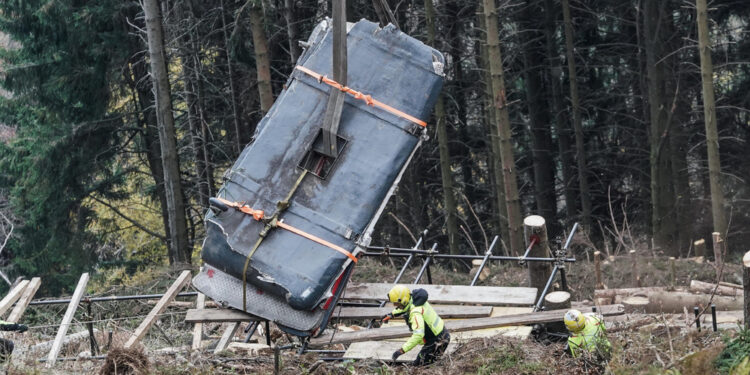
{"x": 385, "y": 63}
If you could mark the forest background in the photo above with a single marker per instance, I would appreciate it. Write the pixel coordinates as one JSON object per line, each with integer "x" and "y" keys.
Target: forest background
{"x": 113, "y": 136}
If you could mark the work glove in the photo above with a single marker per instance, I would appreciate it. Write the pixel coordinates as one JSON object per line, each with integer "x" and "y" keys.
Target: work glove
{"x": 22, "y": 328}
{"x": 386, "y": 318}
{"x": 397, "y": 354}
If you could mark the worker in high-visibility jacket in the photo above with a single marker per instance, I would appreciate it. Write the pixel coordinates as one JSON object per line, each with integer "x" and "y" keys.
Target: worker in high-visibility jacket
{"x": 6, "y": 346}
{"x": 426, "y": 326}
{"x": 588, "y": 334}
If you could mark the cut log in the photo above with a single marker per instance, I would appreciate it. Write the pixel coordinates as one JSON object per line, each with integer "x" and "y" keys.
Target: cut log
{"x": 455, "y": 326}
{"x": 635, "y": 304}
{"x": 730, "y": 285}
{"x": 675, "y": 302}
{"x": 12, "y": 296}
{"x": 708, "y": 288}
{"x": 627, "y": 292}
{"x": 557, "y": 300}
{"x": 449, "y": 294}
{"x": 446, "y": 312}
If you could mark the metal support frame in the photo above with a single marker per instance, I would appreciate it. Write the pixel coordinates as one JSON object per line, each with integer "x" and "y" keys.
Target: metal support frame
{"x": 487, "y": 255}
{"x": 559, "y": 260}
{"x": 426, "y": 265}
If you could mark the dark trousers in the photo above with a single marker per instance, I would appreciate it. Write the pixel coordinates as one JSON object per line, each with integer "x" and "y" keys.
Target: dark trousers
{"x": 6, "y": 347}
{"x": 431, "y": 351}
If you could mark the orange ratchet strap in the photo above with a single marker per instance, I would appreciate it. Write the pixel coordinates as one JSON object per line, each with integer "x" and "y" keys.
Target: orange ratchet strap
{"x": 358, "y": 95}
{"x": 258, "y": 216}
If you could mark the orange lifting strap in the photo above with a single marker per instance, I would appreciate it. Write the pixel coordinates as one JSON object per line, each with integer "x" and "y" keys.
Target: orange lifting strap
{"x": 358, "y": 95}
{"x": 258, "y": 216}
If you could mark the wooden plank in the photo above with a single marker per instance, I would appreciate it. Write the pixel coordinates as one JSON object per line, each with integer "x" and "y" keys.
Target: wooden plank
{"x": 176, "y": 287}
{"x": 12, "y": 296}
{"x": 456, "y": 326}
{"x": 446, "y": 312}
{"x": 200, "y": 302}
{"x": 23, "y": 302}
{"x": 226, "y": 338}
{"x": 218, "y": 316}
{"x": 383, "y": 350}
{"x": 67, "y": 318}
{"x": 450, "y": 294}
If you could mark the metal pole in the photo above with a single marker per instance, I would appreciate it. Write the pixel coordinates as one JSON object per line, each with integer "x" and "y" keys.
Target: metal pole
{"x": 251, "y": 328}
{"x": 425, "y": 265}
{"x": 697, "y": 318}
{"x": 110, "y": 298}
{"x": 90, "y": 324}
{"x": 570, "y": 236}
{"x": 424, "y": 253}
{"x": 563, "y": 280}
{"x": 484, "y": 261}
{"x": 268, "y": 333}
{"x": 713, "y": 317}
{"x": 546, "y": 288}
{"x": 533, "y": 242}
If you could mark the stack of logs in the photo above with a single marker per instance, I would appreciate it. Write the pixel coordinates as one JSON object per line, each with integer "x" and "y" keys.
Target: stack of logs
{"x": 725, "y": 296}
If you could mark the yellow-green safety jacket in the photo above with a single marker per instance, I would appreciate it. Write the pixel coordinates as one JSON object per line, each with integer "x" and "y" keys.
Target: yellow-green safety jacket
{"x": 418, "y": 314}
{"x": 593, "y": 338}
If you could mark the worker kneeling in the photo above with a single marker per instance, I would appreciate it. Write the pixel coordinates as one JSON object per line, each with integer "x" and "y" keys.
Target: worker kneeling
{"x": 588, "y": 334}
{"x": 426, "y": 326}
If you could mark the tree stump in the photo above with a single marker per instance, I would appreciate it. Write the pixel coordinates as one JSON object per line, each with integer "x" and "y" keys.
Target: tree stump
{"x": 557, "y": 301}
{"x": 635, "y": 304}
{"x": 534, "y": 226}
{"x": 700, "y": 247}
{"x": 636, "y": 275}
{"x": 598, "y": 269}
{"x": 718, "y": 261}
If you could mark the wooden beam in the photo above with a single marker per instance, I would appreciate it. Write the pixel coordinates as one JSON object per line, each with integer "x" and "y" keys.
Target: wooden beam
{"x": 447, "y": 312}
{"x": 456, "y": 326}
{"x": 180, "y": 283}
{"x": 226, "y": 338}
{"x": 23, "y": 302}
{"x": 383, "y": 350}
{"x": 218, "y": 316}
{"x": 449, "y": 294}
{"x": 200, "y": 302}
{"x": 12, "y": 296}
{"x": 67, "y": 318}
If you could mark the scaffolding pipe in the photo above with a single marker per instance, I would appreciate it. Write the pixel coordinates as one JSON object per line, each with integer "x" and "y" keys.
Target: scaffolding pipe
{"x": 484, "y": 261}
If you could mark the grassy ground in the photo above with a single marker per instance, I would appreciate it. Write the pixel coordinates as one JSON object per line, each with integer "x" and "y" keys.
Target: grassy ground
{"x": 638, "y": 348}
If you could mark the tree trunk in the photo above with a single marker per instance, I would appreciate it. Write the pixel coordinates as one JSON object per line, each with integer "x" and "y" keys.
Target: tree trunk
{"x": 179, "y": 249}
{"x": 262, "y": 59}
{"x": 577, "y": 122}
{"x": 709, "y": 112}
{"x": 494, "y": 160}
{"x": 189, "y": 67}
{"x": 503, "y": 128}
{"x": 291, "y": 30}
{"x": 449, "y": 199}
{"x": 662, "y": 189}
{"x": 241, "y": 137}
{"x": 561, "y": 124}
{"x": 541, "y": 138}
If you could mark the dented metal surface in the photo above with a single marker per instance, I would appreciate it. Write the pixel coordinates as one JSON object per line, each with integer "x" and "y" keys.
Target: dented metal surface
{"x": 342, "y": 207}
